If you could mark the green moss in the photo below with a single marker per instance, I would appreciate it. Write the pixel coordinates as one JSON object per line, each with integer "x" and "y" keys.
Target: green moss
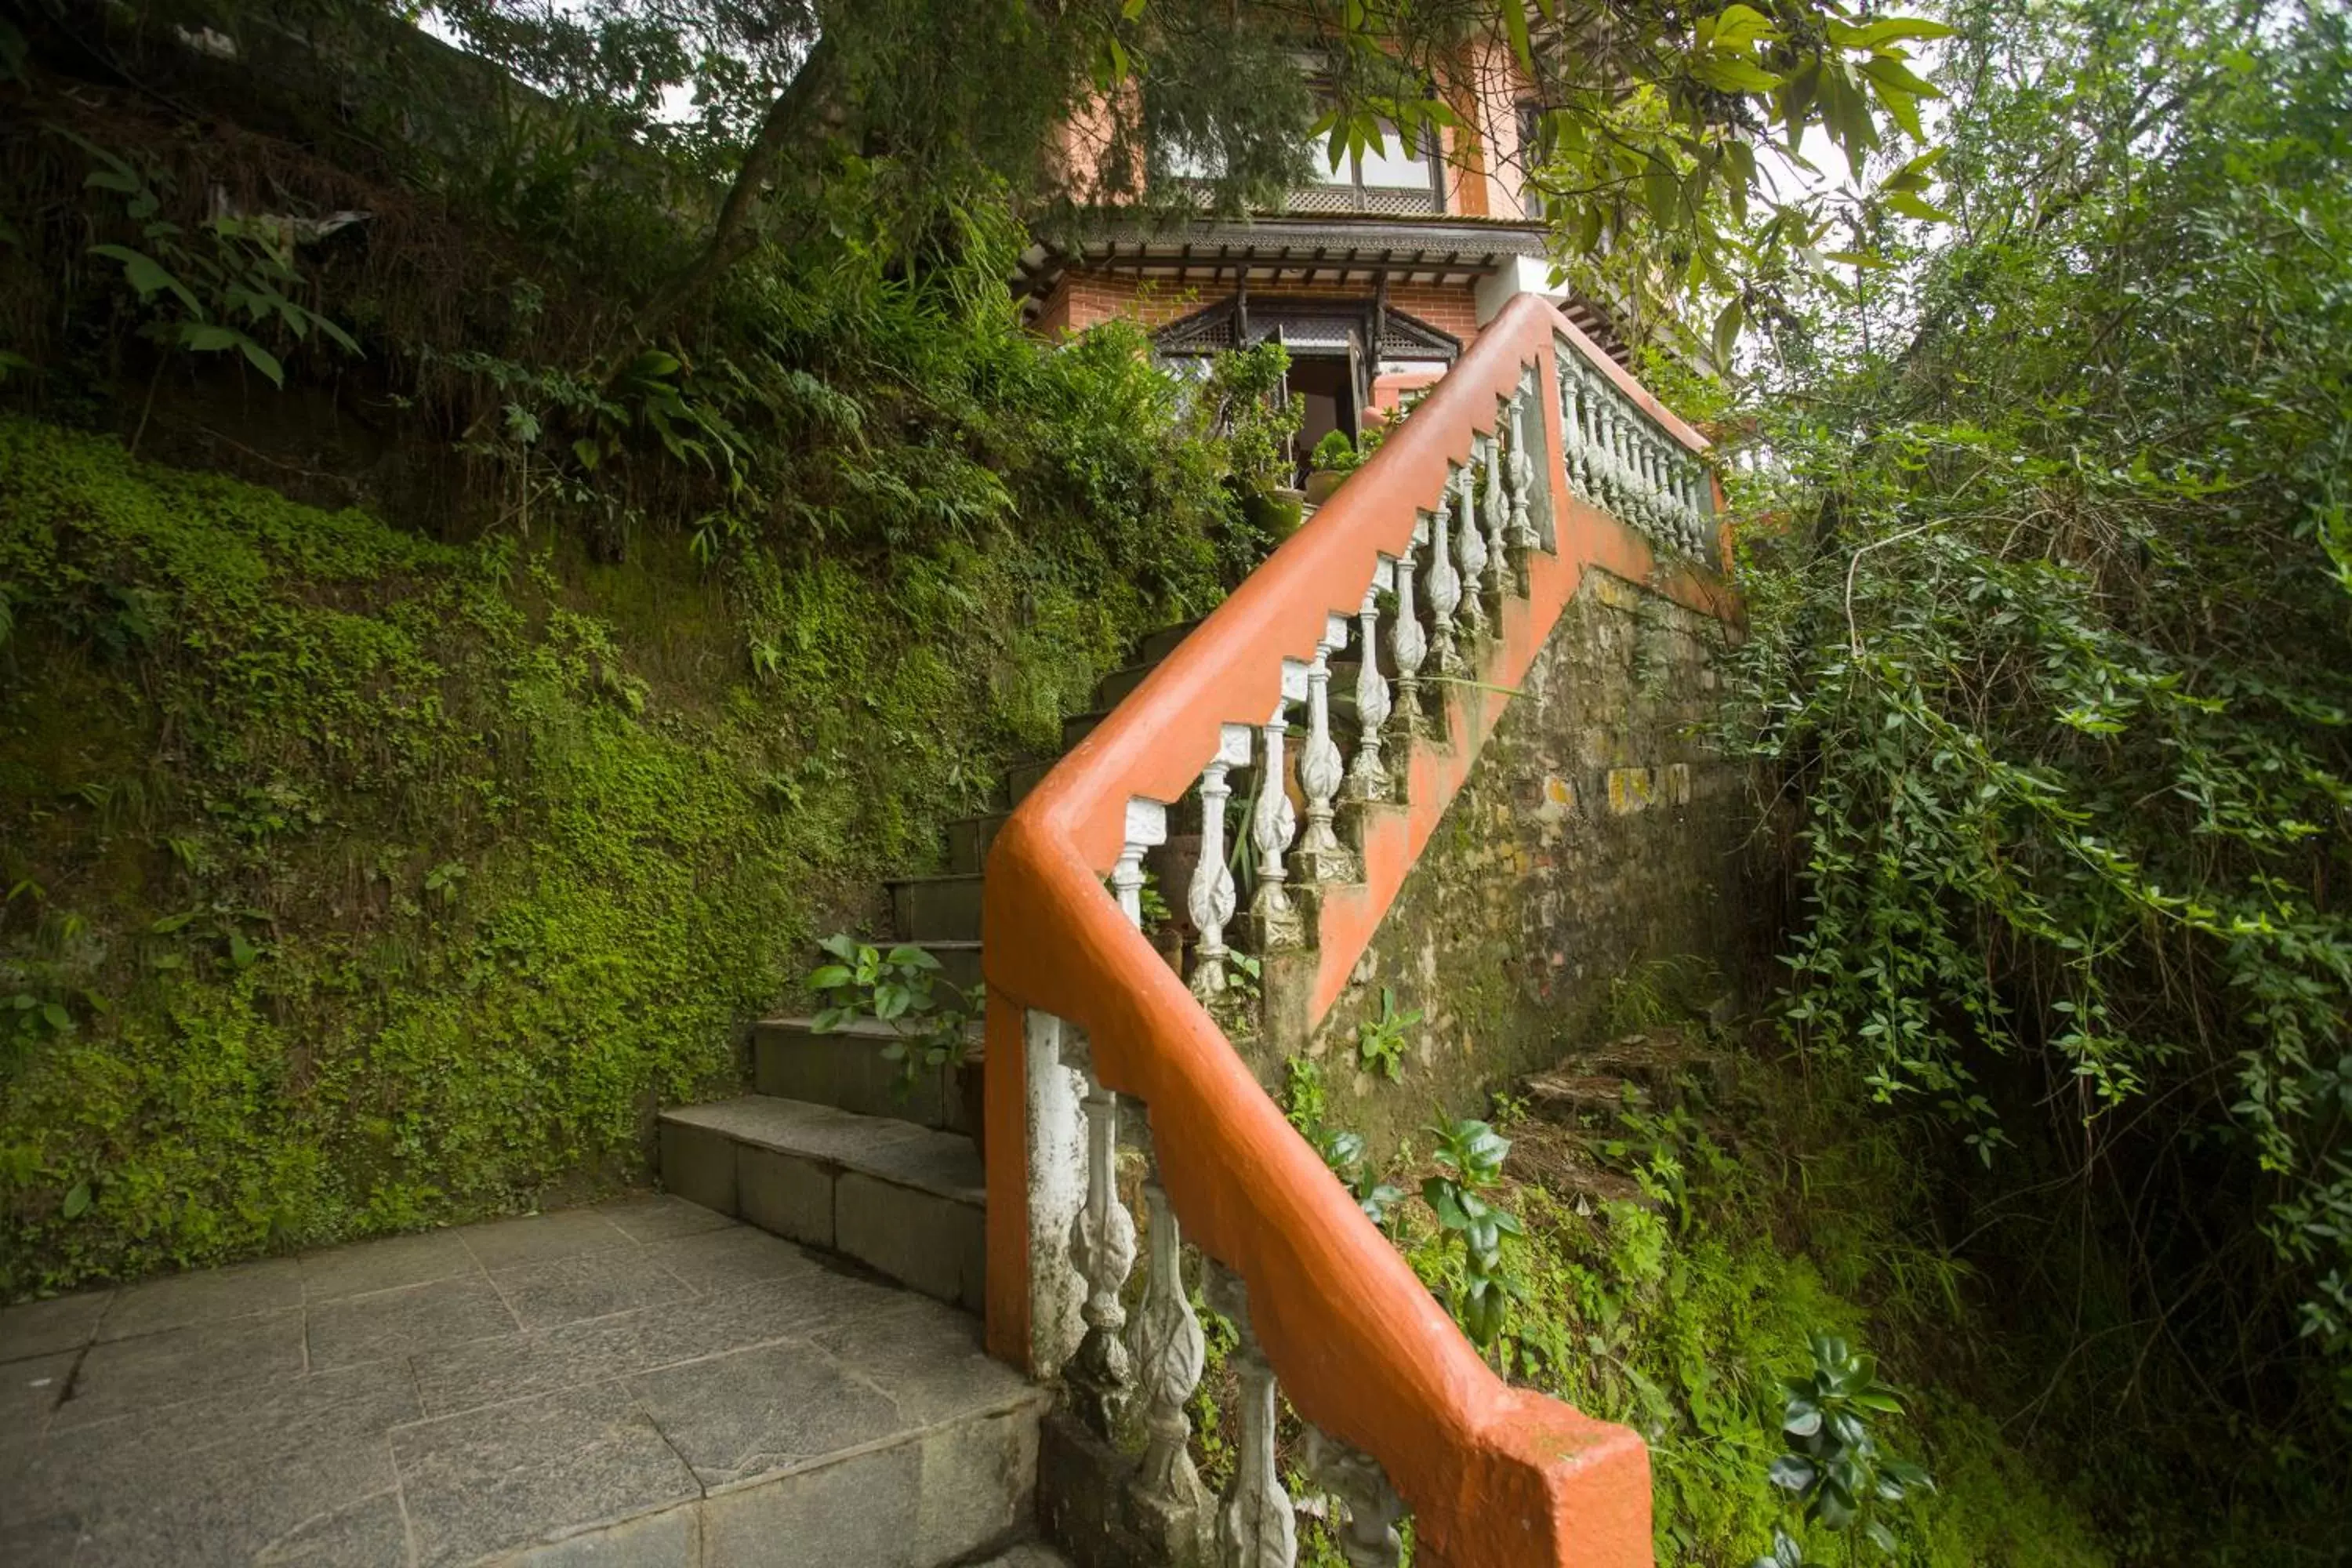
{"x": 378, "y": 883}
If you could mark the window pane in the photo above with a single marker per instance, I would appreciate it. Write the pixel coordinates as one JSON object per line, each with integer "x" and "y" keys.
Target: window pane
{"x": 1318, "y": 164}
{"x": 1392, "y": 163}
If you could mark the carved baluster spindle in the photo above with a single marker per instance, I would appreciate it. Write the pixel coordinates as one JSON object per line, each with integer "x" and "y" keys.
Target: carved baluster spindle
{"x": 1255, "y": 1525}
{"x": 1368, "y": 775}
{"x": 1523, "y": 479}
{"x": 1678, "y": 501}
{"x": 1597, "y": 452}
{"x": 1321, "y": 769}
{"x": 1406, "y": 641}
{"x": 1628, "y": 477}
{"x": 1102, "y": 1246}
{"x": 1470, "y": 544}
{"x": 1645, "y": 454}
{"x": 1367, "y": 1536}
{"x": 1571, "y": 423}
{"x": 1496, "y": 515}
{"x": 1210, "y": 902}
{"x": 1445, "y": 585}
{"x": 1612, "y": 457}
{"x": 1147, "y": 829}
{"x": 1170, "y": 1351}
{"x": 1588, "y": 437}
{"x": 1271, "y": 823}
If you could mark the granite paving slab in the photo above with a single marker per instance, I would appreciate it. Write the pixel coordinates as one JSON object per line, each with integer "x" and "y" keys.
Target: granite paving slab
{"x": 637, "y": 1383}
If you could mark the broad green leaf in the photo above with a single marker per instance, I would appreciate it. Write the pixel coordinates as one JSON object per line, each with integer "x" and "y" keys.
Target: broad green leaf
{"x": 1904, "y": 108}
{"x": 1515, "y": 26}
{"x": 1888, "y": 71}
{"x": 1910, "y": 206}
{"x": 148, "y": 276}
{"x": 204, "y": 338}
{"x": 1728, "y": 324}
{"x": 1885, "y": 31}
{"x": 262, "y": 360}
{"x": 1730, "y": 75}
{"x": 1741, "y": 27}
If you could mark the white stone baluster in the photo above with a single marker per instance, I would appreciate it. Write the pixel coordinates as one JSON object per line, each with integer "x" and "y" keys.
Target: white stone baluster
{"x": 1604, "y": 420}
{"x": 1445, "y": 584}
{"x": 1367, "y": 1536}
{"x": 1368, "y": 775}
{"x": 1210, "y": 902}
{"x": 1588, "y": 434}
{"x": 1254, "y": 1526}
{"x": 1147, "y": 827}
{"x": 1496, "y": 515}
{"x": 1170, "y": 1351}
{"x": 1628, "y": 478}
{"x": 1102, "y": 1246}
{"x": 1272, "y": 824}
{"x": 1405, "y": 639}
{"x": 1321, "y": 769}
{"x": 1571, "y": 431}
{"x": 1055, "y": 1125}
{"x": 1470, "y": 543}
{"x": 1523, "y": 477}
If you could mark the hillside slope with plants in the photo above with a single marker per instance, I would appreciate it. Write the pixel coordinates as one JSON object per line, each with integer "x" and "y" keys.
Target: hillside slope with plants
{"x": 383, "y": 839}
{"x": 2052, "y": 675}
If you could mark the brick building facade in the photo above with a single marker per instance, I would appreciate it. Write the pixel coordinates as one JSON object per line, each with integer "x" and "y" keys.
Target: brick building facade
{"x": 1376, "y": 276}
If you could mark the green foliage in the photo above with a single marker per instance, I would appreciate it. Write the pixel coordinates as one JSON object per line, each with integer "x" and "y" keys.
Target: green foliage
{"x": 1342, "y": 1151}
{"x": 1379, "y": 1041}
{"x": 1336, "y": 454}
{"x": 2053, "y": 648}
{"x": 899, "y": 988}
{"x": 1239, "y": 403}
{"x": 1834, "y": 1470}
{"x": 1800, "y": 1214}
{"x": 1470, "y": 1154}
{"x": 381, "y": 882}
{"x": 210, "y": 296}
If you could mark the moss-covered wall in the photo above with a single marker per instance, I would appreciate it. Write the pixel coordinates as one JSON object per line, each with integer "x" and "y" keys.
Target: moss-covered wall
{"x": 355, "y": 881}
{"x": 1594, "y": 869}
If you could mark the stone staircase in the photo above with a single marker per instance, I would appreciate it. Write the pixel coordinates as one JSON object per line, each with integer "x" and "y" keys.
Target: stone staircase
{"x": 833, "y": 1150}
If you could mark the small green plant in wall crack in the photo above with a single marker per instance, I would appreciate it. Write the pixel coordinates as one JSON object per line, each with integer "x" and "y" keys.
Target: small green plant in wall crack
{"x": 1379, "y": 1041}
{"x": 928, "y": 1014}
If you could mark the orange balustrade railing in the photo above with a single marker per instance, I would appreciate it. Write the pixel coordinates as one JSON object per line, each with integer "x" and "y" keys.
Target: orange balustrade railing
{"x": 1495, "y": 1475}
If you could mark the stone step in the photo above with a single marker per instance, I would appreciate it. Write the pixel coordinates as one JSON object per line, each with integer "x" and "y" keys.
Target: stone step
{"x": 968, "y": 838}
{"x": 1159, "y": 645}
{"x": 904, "y": 1200}
{"x": 1078, "y": 726}
{"x": 959, "y": 962}
{"x": 845, "y": 1069}
{"x": 1112, "y": 690}
{"x": 1023, "y": 777}
{"x": 936, "y": 908}
{"x": 643, "y": 1382}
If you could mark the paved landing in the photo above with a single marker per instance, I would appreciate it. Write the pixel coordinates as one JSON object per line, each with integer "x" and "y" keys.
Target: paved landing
{"x": 643, "y": 1382}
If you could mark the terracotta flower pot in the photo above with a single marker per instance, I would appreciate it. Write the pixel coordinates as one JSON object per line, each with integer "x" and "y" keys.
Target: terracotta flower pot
{"x": 1322, "y": 484}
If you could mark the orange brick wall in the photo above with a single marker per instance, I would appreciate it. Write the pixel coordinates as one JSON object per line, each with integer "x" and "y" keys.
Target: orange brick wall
{"x": 1082, "y": 298}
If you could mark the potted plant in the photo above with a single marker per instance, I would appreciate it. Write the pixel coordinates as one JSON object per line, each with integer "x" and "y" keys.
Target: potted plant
{"x": 1244, "y": 409}
{"x": 1334, "y": 457}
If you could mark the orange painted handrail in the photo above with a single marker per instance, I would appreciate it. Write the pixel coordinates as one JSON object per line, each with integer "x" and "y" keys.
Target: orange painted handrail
{"x": 1496, "y": 1476}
